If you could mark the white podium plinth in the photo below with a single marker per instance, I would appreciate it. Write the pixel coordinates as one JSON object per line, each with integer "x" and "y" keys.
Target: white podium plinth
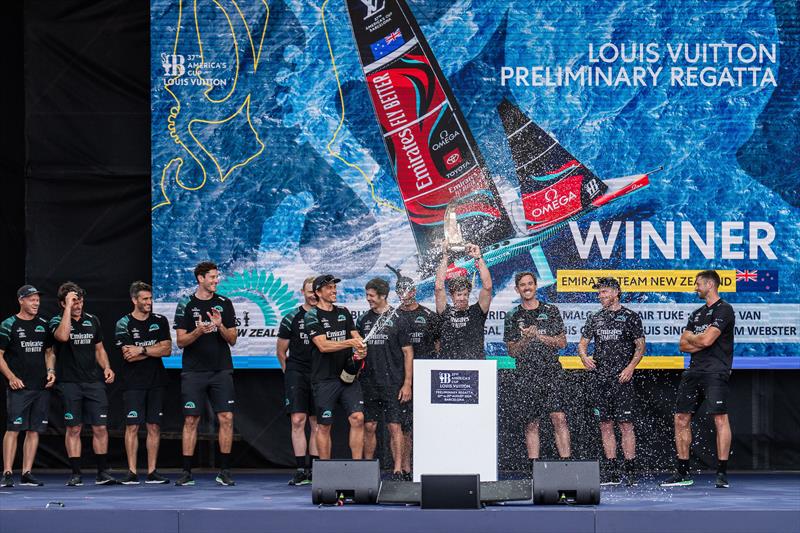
{"x": 455, "y": 418}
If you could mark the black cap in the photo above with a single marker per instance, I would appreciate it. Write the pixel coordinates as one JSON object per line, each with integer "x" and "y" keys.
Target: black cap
{"x": 26, "y": 290}
{"x": 325, "y": 279}
{"x": 609, "y": 282}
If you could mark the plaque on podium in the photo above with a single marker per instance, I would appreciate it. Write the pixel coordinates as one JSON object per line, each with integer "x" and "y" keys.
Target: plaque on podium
{"x": 455, "y": 418}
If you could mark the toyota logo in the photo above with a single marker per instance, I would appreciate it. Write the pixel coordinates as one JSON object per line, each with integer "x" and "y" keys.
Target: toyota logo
{"x": 452, "y": 159}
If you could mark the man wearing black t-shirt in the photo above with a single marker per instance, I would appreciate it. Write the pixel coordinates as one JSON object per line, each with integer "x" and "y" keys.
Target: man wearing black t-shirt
{"x": 143, "y": 338}
{"x": 79, "y": 351}
{"x": 386, "y": 380}
{"x": 534, "y": 332}
{"x": 708, "y": 337}
{"x": 336, "y": 344}
{"x": 28, "y": 363}
{"x": 461, "y": 323}
{"x": 619, "y": 345}
{"x": 205, "y": 324}
{"x": 296, "y": 365}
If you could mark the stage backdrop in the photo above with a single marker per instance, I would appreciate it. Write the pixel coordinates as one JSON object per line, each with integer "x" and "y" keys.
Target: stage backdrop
{"x": 646, "y": 140}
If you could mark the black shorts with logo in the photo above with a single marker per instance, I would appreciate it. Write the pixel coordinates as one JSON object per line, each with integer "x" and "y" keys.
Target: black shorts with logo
{"x": 332, "y": 391}
{"x": 695, "y": 387}
{"x": 217, "y": 386}
{"x": 27, "y": 410}
{"x": 381, "y": 403}
{"x": 84, "y": 403}
{"x": 542, "y": 391}
{"x": 143, "y": 405}
{"x": 613, "y": 400}
{"x": 299, "y": 394}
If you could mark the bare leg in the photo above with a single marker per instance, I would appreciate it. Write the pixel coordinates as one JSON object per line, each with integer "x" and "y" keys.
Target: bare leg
{"x": 189, "y": 434}
{"x": 299, "y": 444}
{"x": 723, "y": 426}
{"x": 225, "y": 431}
{"x": 683, "y": 434}
{"x": 153, "y": 442}
{"x": 408, "y": 447}
{"x": 312, "y": 439}
{"x": 100, "y": 439}
{"x": 324, "y": 441}
{"x": 357, "y": 435}
{"x": 370, "y": 439}
{"x": 132, "y": 445}
{"x": 609, "y": 439}
{"x": 628, "y": 440}
{"x": 9, "y": 450}
{"x": 532, "y": 439}
{"x": 72, "y": 441}
{"x": 29, "y": 450}
{"x": 561, "y": 430}
{"x": 396, "y": 444}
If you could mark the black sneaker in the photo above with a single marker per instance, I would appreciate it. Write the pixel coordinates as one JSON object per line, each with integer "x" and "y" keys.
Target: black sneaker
{"x": 611, "y": 479}
{"x": 186, "y": 480}
{"x": 407, "y": 476}
{"x": 396, "y": 476}
{"x": 130, "y": 479}
{"x": 156, "y": 479}
{"x": 105, "y": 478}
{"x": 224, "y": 478}
{"x": 678, "y": 480}
{"x": 75, "y": 481}
{"x": 7, "y": 481}
{"x": 27, "y": 480}
{"x": 722, "y": 481}
{"x": 299, "y": 478}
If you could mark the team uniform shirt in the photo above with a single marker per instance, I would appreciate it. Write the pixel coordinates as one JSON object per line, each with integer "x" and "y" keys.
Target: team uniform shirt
{"x": 210, "y": 352}
{"x": 423, "y": 331}
{"x": 23, "y": 343}
{"x": 75, "y": 359}
{"x": 336, "y": 325}
{"x": 385, "y": 361}
{"x": 547, "y": 319}
{"x": 147, "y": 373}
{"x": 462, "y": 332}
{"x": 293, "y": 329}
{"x": 614, "y": 334}
{"x": 719, "y": 356}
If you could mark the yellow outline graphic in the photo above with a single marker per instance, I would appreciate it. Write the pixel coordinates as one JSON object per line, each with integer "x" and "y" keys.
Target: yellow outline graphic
{"x": 380, "y": 201}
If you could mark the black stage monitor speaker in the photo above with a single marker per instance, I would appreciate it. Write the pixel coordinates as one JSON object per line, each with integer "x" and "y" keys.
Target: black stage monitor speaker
{"x": 566, "y": 482}
{"x": 354, "y": 481}
{"x": 450, "y": 491}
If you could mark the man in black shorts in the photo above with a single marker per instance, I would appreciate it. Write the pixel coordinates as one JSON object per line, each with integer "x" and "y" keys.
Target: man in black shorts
{"x": 79, "y": 351}
{"x": 708, "y": 337}
{"x": 534, "y": 332}
{"x": 294, "y": 355}
{"x": 386, "y": 379}
{"x": 619, "y": 345}
{"x": 461, "y": 323}
{"x": 205, "y": 324}
{"x": 28, "y": 363}
{"x": 143, "y": 338}
{"x": 336, "y": 344}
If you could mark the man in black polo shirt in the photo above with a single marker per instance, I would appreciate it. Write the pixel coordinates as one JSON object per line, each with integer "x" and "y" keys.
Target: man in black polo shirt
{"x": 386, "y": 379}
{"x": 294, "y": 355}
{"x": 336, "y": 345}
{"x": 461, "y": 323}
{"x": 619, "y": 345}
{"x": 28, "y": 363}
{"x": 80, "y": 357}
{"x": 205, "y": 324}
{"x": 708, "y": 337}
{"x": 143, "y": 338}
{"x": 534, "y": 332}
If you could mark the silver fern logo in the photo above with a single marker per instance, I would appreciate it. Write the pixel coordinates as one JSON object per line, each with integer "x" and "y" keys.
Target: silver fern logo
{"x": 272, "y": 296}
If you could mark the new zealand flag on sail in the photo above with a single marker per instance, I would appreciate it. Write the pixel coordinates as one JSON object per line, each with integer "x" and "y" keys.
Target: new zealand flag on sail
{"x": 387, "y": 45}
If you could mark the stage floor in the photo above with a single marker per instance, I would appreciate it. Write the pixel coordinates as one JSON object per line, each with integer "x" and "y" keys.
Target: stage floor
{"x": 259, "y": 502}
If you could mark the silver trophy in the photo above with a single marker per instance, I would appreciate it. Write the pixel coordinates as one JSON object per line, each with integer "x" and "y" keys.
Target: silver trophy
{"x": 452, "y": 232}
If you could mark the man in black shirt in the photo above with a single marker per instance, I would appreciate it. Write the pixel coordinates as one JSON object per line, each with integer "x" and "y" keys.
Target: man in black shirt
{"x": 28, "y": 363}
{"x": 619, "y": 345}
{"x": 336, "y": 344}
{"x": 205, "y": 323}
{"x": 143, "y": 338}
{"x": 461, "y": 323}
{"x": 79, "y": 351}
{"x": 296, "y": 365}
{"x": 386, "y": 380}
{"x": 534, "y": 332}
{"x": 708, "y": 337}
